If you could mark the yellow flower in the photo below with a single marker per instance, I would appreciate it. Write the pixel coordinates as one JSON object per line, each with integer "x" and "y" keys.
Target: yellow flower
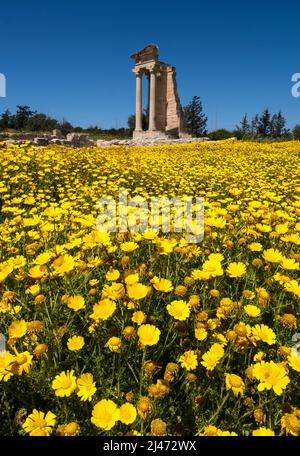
{"x": 68, "y": 429}
{"x": 189, "y": 360}
{"x": 39, "y": 423}
{"x": 22, "y": 363}
{"x": 235, "y": 270}
{"x": 40, "y": 350}
{"x": 75, "y": 343}
{"x": 64, "y": 383}
{"x": 6, "y": 362}
{"x": 137, "y": 291}
{"x": 179, "y": 310}
{"x": 248, "y": 294}
{"x": 210, "y": 431}
{"x": 127, "y": 413}
{"x": 293, "y": 287}
{"x": 263, "y": 333}
{"x": 200, "y": 333}
{"x": 5, "y": 270}
{"x": 17, "y": 329}
{"x": 43, "y": 258}
{"x": 103, "y": 310}
{"x": 212, "y": 357}
{"x": 129, "y": 247}
{"x": 148, "y": 334}
{"x": 105, "y": 414}
{"x": 198, "y": 274}
{"x": 115, "y": 291}
{"x": 213, "y": 268}
{"x": 252, "y": 311}
{"x": 131, "y": 279}
{"x": 180, "y": 290}
{"x": 128, "y": 332}
{"x": 294, "y": 362}
{"x": 259, "y": 356}
{"x": 272, "y": 256}
{"x": 86, "y": 387}
{"x": 163, "y": 285}
{"x": 34, "y": 290}
{"x": 158, "y": 389}
{"x": 290, "y": 423}
{"x": 289, "y": 264}
{"x": 235, "y": 383}
{"x": 263, "y": 432}
{"x": 289, "y": 320}
{"x": 37, "y": 272}
{"x": 114, "y": 344}
{"x": 263, "y": 296}
{"x": 226, "y": 434}
{"x": 76, "y": 302}
{"x": 158, "y": 427}
{"x": 63, "y": 264}
{"x": 271, "y": 376}
{"x": 255, "y": 247}
{"x": 138, "y": 317}
{"x": 112, "y": 275}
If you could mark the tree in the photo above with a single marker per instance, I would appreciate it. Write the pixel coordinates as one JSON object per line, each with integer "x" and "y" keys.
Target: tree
{"x": 296, "y": 132}
{"x": 131, "y": 121}
{"x": 195, "y": 120}
{"x": 5, "y": 120}
{"x": 65, "y": 127}
{"x": 277, "y": 125}
{"x": 244, "y": 127}
{"x": 254, "y": 125}
{"x": 41, "y": 122}
{"x": 220, "y": 134}
{"x": 22, "y": 116}
{"x": 264, "y": 124}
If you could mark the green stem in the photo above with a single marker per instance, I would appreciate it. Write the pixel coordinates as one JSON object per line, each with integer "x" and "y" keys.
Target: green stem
{"x": 142, "y": 370}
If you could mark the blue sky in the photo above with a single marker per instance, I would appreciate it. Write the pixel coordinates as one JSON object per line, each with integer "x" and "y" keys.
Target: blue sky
{"x": 70, "y": 58}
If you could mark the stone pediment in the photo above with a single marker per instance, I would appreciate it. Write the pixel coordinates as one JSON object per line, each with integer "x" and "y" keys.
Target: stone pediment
{"x": 147, "y": 54}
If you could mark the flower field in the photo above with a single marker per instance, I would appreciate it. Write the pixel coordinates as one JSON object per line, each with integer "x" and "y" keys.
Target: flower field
{"x": 142, "y": 333}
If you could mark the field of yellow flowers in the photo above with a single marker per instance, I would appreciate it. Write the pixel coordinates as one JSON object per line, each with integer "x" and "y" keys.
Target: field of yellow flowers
{"x": 142, "y": 333}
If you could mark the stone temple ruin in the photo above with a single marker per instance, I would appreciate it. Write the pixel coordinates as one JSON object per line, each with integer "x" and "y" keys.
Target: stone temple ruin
{"x": 165, "y": 114}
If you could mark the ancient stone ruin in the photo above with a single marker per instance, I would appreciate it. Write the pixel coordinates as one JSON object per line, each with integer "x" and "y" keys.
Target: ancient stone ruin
{"x": 165, "y": 115}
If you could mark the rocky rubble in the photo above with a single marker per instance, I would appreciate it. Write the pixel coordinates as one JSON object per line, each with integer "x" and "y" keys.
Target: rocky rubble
{"x": 148, "y": 142}
{"x": 82, "y": 140}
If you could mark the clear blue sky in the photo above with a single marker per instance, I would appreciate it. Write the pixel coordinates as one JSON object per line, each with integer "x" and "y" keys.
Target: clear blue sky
{"x": 70, "y": 58}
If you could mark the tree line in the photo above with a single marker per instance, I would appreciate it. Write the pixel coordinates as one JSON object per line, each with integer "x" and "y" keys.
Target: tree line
{"x": 263, "y": 126}
{"x": 26, "y": 120}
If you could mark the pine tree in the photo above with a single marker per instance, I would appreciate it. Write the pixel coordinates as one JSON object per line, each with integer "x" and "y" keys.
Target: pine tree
{"x": 244, "y": 127}
{"x": 296, "y": 132}
{"x": 278, "y": 125}
{"x": 5, "y": 120}
{"x": 254, "y": 126}
{"x": 22, "y": 116}
{"x": 195, "y": 120}
{"x": 264, "y": 124}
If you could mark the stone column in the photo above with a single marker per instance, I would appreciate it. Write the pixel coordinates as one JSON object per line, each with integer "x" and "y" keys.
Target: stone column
{"x": 152, "y": 108}
{"x": 138, "y": 103}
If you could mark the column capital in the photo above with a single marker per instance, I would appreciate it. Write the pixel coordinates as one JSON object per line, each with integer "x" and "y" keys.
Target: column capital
{"x": 137, "y": 71}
